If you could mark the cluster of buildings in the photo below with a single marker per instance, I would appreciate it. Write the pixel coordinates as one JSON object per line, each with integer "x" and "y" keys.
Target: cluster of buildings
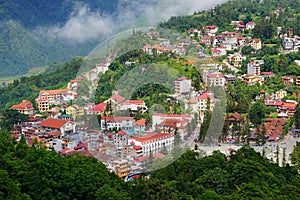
{"x": 126, "y": 145}
{"x": 290, "y": 42}
{"x": 226, "y": 41}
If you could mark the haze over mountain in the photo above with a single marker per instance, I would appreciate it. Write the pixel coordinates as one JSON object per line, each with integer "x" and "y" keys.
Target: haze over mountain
{"x": 37, "y": 33}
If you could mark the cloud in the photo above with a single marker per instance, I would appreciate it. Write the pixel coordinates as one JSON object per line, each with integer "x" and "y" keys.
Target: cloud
{"x": 168, "y": 8}
{"x": 84, "y": 24}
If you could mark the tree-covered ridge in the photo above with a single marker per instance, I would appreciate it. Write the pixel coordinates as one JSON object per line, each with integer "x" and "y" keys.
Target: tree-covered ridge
{"x": 31, "y": 32}
{"x": 267, "y": 14}
{"x": 42, "y": 13}
{"x": 35, "y": 173}
{"x": 56, "y": 77}
{"x": 168, "y": 64}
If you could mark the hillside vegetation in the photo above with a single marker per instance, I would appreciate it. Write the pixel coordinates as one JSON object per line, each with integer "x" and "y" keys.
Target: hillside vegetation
{"x": 35, "y": 173}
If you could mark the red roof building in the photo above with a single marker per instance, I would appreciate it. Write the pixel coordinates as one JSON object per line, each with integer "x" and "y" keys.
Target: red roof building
{"x": 25, "y": 107}
{"x": 61, "y": 125}
{"x": 153, "y": 142}
{"x": 116, "y": 98}
{"x": 53, "y": 123}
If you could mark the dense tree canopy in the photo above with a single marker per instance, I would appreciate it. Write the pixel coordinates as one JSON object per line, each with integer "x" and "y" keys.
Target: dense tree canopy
{"x": 35, "y": 173}
{"x": 257, "y": 113}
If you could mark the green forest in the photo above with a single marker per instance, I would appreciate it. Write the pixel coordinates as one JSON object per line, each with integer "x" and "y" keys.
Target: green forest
{"x": 57, "y": 76}
{"x": 27, "y": 40}
{"x": 36, "y": 173}
{"x": 261, "y": 12}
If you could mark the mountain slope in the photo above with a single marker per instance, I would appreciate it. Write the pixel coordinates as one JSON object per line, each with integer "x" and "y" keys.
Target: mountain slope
{"x": 37, "y": 33}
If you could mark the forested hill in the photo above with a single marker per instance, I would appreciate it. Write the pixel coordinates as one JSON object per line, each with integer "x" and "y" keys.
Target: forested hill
{"x": 267, "y": 14}
{"x": 29, "y": 87}
{"x": 35, "y": 173}
{"x": 33, "y": 13}
{"x": 38, "y": 33}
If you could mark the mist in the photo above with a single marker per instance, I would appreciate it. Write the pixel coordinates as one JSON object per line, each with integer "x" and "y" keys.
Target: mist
{"x": 84, "y": 24}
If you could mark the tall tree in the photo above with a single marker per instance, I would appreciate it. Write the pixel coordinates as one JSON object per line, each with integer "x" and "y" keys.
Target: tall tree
{"x": 257, "y": 113}
{"x": 297, "y": 118}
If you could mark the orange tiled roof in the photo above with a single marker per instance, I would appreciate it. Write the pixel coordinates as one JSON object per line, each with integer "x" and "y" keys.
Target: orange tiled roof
{"x": 169, "y": 123}
{"x": 53, "y": 123}
{"x": 55, "y": 133}
{"x": 137, "y": 102}
{"x": 116, "y": 118}
{"x": 151, "y": 137}
{"x": 23, "y": 105}
{"x": 59, "y": 91}
{"x": 140, "y": 122}
{"x": 118, "y": 98}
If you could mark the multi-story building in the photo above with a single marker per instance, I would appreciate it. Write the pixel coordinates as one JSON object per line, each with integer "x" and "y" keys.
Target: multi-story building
{"x": 53, "y": 96}
{"x": 43, "y": 105}
{"x": 121, "y": 167}
{"x": 134, "y": 106}
{"x": 182, "y": 85}
{"x": 230, "y": 78}
{"x": 250, "y": 25}
{"x": 211, "y": 30}
{"x": 25, "y": 107}
{"x": 216, "y": 79}
{"x": 288, "y": 43}
{"x": 63, "y": 126}
{"x": 115, "y": 100}
{"x": 236, "y": 60}
{"x": 280, "y": 94}
{"x": 252, "y": 79}
{"x": 50, "y": 97}
{"x": 287, "y": 80}
{"x": 253, "y": 68}
{"x": 298, "y": 81}
{"x": 205, "y": 101}
{"x": 153, "y": 142}
{"x": 98, "y": 109}
{"x": 158, "y": 118}
{"x": 102, "y": 67}
{"x": 120, "y": 139}
{"x": 255, "y": 43}
{"x": 75, "y": 111}
{"x": 118, "y": 123}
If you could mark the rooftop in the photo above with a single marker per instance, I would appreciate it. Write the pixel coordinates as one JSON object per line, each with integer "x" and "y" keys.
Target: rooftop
{"x": 53, "y": 123}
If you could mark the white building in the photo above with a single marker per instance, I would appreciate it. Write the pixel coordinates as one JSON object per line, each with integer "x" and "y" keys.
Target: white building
{"x": 253, "y": 68}
{"x": 63, "y": 126}
{"x": 280, "y": 94}
{"x": 120, "y": 139}
{"x": 211, "y": 30}
{"x": 134, "y": 105}
{"x": 182, "y": 85}
{"x": 102, "y": 67}
{"x": 110, "y": 123}
{"x": 250, "y": 25}
{"x": 153, "y": 142}
{"x": 288, "y": 43}
{"x": 203, "y": 100}
{"x": 216, "y": 79}
{"x": 158, "y": 118}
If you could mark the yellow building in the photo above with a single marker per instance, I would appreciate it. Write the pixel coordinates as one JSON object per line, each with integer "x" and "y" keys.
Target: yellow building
{"x": 121, "y": 168}
{"x": 255, "y": 43}
{"x": 25, "y": 107}
{"x": 236, "y": 60}
{"x": 298, "y": 81}
{"x": 252, "y": 79}
{"x": 75, "y": 111}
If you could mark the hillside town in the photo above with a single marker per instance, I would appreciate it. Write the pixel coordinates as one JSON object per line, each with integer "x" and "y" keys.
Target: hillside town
{"x": 129, "y": 143}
